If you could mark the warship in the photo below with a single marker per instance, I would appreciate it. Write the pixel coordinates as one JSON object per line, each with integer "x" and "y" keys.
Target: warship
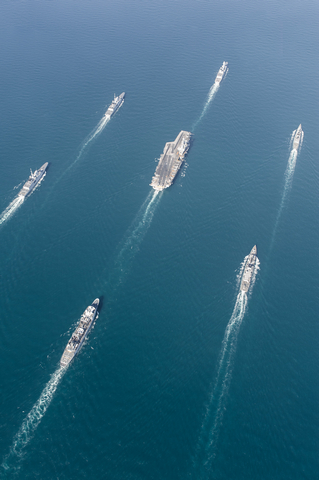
{"x": 115, "y": 105}
{"x": 249, "y": 270}
{"x": 297, "y": 138}
{"x": 33, "y": 180}
{"x": 80, "y": 333}
{"x": 170, "y": 161}
{"x": 221, "y": 72}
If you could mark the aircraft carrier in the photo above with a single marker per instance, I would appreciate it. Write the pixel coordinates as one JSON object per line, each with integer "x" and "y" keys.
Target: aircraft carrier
{"x": 33, "y": 180}
{"x": 249, "y": 270}
{"x": 80, "y": 333}
{"x": 298, "y": 138}
{"x": 171, "y": 160}
{"x": 221, "y": 72}
{"x": 115, "y": 105}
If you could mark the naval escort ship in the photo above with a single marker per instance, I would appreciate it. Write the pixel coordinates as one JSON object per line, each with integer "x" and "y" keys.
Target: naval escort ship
{"x": 115, "y": 105}
{"x": 80, "y": 333}
{"x": 170, "y": 161}
{"x": 33, "y": 180}
{"x": 249, "y": 270}
{"x": 297, "y": 138}
{"x": 221, "y": 72}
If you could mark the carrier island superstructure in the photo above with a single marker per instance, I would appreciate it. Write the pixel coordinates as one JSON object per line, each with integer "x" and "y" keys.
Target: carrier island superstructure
{"x": 115, "y": 105}
{"x": 34, "y": 179}
{"x": 80, "y": 333}
{"x": 249, "y": 269}
{"x": 171, "y": 160}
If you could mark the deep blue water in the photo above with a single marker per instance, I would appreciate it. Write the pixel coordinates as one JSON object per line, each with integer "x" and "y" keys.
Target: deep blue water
{"x": 140, "y": 400}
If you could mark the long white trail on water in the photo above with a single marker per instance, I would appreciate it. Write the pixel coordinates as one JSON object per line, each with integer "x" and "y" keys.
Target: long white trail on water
{"x": 92, "y": 136}
{"x": 289, "y": 173}
{"x": 206, "y": 448}
{"x": 133, "y": 238}
{"x": 11, "y": 209}
{"x": 215, "y": 409}
{"x": 211, "y": 95}
{"x": 10, "y": 463}
{"x": 95, "y": 133}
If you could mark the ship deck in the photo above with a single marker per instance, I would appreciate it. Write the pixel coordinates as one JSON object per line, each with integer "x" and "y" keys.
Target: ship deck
{"x": 170, "y": 162}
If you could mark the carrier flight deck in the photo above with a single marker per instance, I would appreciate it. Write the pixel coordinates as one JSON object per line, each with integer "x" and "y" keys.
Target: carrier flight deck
{"x": 170, "y": 161}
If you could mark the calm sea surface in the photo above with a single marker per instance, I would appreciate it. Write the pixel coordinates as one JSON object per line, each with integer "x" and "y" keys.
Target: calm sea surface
{"x": 159, "y": 391}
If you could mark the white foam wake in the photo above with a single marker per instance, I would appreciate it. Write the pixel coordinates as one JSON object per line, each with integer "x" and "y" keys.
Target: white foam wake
{"x": 254, "y": 275}
{"x": 289, "y": 173}
{"x": 241, "y": 271}
{"x": 211, "y": 95}
{"x": 10, "y": 463}
{"x": 133, "y": 238}
{"x": 94, "y": 134}
{"x": 291, "y": 139}
{"x": 11, "y": 209}
{"x": 216, "y": 406}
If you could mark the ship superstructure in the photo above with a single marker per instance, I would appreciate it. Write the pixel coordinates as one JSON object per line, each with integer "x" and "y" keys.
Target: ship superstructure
{"x": 221, "y": 72}
{"x": 249, "y": 269}
{"x": 297, "y": 138}
{"x": 33, "y": 180}
{"x": 80, "y": 333}
{"x": 171, "y": 160}
{"x": 115, "y": 105}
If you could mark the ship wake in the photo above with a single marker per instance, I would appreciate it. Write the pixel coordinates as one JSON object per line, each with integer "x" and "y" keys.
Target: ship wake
{"x": 211, "y": 95}
{"x": 289, "y": 173}
{"x": 215, "y": 409}
{"x": 10, "y": 463}
{"x": 11, "y": 209}
{"x": 133, "y": 238}
{"x": 206, "y": 448}
{"x": 92, "y": 136}
{"x": 98, "y": 129}
{"x": 254, "y": 275}
{"x": 241, "y": 271}
{"x": 292, "y": 138}
{"x": 95, "y": 133}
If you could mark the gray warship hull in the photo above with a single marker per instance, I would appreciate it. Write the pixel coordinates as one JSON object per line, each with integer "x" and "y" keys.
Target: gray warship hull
{"x": 115, "y": 105}
{"x": 249, "y": 269}
{"x": 170, "y": 161}
{"x": 79, "y": 335}
{"x": 33, "y": 180}
{"x": 222, "y": 72}
{"x": 298, "y": 138}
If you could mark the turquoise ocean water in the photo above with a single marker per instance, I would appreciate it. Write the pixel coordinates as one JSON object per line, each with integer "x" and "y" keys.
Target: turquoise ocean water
{"x": 176, "y": 380}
